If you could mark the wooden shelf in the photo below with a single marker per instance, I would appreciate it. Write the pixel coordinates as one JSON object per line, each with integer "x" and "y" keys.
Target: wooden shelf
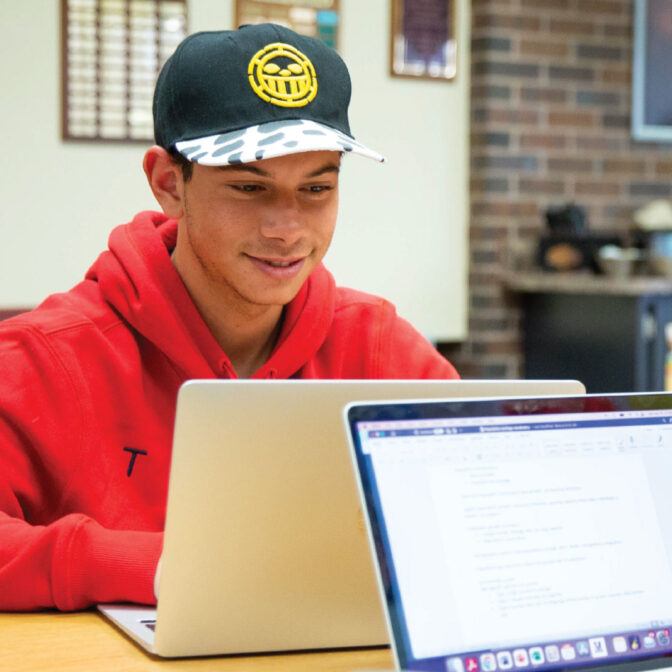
{"x": 586, "y": 283}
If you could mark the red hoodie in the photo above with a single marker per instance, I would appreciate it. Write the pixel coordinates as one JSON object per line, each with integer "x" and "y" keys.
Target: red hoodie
{"x": 87, "y": 402}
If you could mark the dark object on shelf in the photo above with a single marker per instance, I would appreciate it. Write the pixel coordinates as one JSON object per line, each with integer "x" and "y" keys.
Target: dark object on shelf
{"x": 572, "y": 252}
{"x": 568, "y": 219}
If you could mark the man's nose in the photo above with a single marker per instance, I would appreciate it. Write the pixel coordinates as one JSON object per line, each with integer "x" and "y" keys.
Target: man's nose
{"x": 283, "y": 220}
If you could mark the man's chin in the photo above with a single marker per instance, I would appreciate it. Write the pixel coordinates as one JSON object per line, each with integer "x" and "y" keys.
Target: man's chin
{"x": 279, "y": 296}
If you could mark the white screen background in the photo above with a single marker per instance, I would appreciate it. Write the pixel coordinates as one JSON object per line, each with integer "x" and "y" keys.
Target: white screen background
{"x": 494, "y": 546}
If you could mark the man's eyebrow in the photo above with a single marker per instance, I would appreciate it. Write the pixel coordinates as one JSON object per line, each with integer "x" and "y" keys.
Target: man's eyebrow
{"x": 330, "y": 168}
{"x": 236, "y": 167}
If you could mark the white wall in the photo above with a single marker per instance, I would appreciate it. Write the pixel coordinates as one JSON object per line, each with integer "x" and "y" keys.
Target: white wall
{"x": 59, "y": 201}
{"x": 402, "y": 226}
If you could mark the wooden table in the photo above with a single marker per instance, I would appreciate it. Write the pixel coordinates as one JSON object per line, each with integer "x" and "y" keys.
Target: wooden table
{"x": 86, "y": 642}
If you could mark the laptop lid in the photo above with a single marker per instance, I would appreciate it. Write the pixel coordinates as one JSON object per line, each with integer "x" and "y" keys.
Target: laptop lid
{"x": 521, "y": 535}
{"x": 265, "y": 545}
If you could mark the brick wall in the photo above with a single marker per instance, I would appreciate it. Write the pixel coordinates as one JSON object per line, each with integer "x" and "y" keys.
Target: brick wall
{"x": 551, "y": 95}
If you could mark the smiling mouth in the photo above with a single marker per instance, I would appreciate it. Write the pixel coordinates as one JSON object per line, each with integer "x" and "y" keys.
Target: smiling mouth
{"x": 278, "y": 267}
{"x": 280, "y": 264}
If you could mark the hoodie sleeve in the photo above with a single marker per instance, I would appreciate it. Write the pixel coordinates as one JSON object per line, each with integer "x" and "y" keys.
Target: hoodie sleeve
{"x": 51, "y": 553}
{"x": 73, "y": 563}
{"x": 367, "y": 339}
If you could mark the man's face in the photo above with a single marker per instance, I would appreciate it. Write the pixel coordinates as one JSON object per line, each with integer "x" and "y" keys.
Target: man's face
{"x": 252, "y": 233}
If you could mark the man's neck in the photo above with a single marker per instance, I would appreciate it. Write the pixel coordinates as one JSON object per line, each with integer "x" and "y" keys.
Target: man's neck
{"x": 247, "y": 339}
{"x": 249, "y": 345}
{"x": 246, "y": 333}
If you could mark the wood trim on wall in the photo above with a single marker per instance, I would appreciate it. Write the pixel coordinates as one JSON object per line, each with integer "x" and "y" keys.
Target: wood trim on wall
{"x": 6, "y": 313}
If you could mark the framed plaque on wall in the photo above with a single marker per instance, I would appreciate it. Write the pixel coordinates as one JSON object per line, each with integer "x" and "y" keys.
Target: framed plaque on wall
{"x": 423, "y": 39}
{"x": 651, "y": 81}
{"x": 112, "y": 53}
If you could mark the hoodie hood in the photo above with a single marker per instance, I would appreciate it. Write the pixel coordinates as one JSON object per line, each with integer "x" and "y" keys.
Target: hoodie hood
{"x": 137, "y": 278}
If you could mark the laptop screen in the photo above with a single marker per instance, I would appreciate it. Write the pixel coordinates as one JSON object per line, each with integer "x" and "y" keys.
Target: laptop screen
{"x": 521, "y": 534}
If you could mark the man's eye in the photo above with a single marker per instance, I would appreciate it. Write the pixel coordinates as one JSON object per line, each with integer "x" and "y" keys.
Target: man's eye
{"x": 248, "y": 188}
{"x": 317, "y": 189}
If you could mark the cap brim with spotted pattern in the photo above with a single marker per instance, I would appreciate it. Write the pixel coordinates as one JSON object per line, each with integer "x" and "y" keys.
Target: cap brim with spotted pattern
{"x": 270, "y": 140}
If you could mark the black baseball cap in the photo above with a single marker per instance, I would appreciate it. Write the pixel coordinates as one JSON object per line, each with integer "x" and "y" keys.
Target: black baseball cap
{"x": 235, "y": 96}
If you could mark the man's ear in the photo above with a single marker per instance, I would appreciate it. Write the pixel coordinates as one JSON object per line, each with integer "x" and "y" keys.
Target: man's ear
{"x": 165, "y": 180}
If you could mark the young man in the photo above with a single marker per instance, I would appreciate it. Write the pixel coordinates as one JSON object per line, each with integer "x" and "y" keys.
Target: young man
{"x": 250, "y": 128}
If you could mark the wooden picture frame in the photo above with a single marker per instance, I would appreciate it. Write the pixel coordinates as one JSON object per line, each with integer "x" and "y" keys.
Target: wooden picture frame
{"x": 316, "y": 18}
{"x": 423, "y": 39}
{"x": 652, "y": 54}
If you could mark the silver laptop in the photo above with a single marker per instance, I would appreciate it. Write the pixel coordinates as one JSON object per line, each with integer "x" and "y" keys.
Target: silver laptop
{"x": 265, "y": 545}
{"x": 521, "y": 535}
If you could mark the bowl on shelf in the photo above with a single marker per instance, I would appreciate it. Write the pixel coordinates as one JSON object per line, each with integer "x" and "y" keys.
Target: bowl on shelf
{"x": 619, "y": 262}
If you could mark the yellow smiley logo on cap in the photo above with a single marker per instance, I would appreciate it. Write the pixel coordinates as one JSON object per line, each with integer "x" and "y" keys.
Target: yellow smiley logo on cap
{"x": 280, "y": 74}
